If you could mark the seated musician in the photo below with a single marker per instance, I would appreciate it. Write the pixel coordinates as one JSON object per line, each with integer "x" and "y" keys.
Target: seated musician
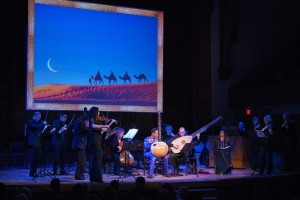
{"x": 107, "y": 150}
{"x": 174, "y": 157}
{"x": 222, "y": 150}
{"x": 169, "y": 133}
{"x": 116, "y": 145}
{"x": 148, "y": 141}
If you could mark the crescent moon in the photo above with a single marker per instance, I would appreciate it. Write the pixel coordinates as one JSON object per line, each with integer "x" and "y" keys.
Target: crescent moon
{"x": 49, "y": 66}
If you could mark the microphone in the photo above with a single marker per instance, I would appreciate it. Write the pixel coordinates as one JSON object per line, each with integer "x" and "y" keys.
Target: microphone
{"x": 85, "y": 110}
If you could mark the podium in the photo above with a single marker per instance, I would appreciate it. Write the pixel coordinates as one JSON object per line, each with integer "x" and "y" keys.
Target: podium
{"x": 241, "y": 151}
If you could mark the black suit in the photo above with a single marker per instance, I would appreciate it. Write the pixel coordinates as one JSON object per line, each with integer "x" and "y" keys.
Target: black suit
{"x": 266, "y": 150}
{"x": 59, "y": 140}
{"x": 33, "y": 134}
{"x": 174, "y": 158}
{"x": 114, "y": 143}
{"x": 79, "y": 144}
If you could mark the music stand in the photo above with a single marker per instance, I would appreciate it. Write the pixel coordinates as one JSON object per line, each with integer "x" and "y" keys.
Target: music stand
{"x": 127, "y": 172}
{"x": 259, "y": 134}
{"x": 130, "y": 134}
{"x": 43, "y": 171}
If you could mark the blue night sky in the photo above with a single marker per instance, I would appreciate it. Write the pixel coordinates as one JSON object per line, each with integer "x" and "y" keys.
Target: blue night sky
{"x": 80, "y": 42}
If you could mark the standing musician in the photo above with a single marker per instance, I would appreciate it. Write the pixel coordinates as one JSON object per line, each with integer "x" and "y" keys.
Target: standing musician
{"x": 222, "y": 153}
{"x": 96, "y": 129}
{"x": 148, "y": 141}
{"x": 290, "y": 142}
{"x": 59, "y": 140}
{"x": 265, "y": 144}
{"x": 79, "y": 144}
{"x": 254, "y": 145}
{"x": 33, "y": 134}
{"x": 116, "y": 144}
{"x": 174, "y": 158}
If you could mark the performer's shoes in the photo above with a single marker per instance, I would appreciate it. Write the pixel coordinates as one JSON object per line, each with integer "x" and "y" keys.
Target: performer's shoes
{"x": 167, "y": 175}
{"x": 79, "y": 177}
{"x": 63, "y": 172}
{"x": 32, "y": 174}
{"x": 150, "y": 176}
{"x": 178, "y": 174}
{"x": 96, "y": 181}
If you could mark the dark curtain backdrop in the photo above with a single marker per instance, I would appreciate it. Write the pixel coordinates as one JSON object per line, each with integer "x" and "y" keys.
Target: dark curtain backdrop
{"x": 186, "y": 68}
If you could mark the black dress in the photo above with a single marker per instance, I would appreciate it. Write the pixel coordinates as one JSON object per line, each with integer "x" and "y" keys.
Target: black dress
{"x": 222, "y": 151}
{"x": 95, "y": 149}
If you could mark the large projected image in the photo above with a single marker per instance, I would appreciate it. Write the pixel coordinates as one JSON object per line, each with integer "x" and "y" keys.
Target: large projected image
{"x": 82, "y": 55}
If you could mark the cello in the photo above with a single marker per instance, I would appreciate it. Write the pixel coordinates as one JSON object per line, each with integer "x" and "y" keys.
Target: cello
{"x": 126, "y": 159}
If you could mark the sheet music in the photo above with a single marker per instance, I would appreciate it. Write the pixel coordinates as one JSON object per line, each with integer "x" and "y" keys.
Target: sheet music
{"x": 260, "y": 133}
{"x": 131, "y": 133}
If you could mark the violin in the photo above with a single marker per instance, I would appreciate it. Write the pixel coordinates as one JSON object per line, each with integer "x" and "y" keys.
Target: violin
{"x": 102, "y": 118}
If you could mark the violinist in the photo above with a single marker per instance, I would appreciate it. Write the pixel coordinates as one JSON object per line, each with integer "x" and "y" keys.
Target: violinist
{"x": 265, "y": 146}
{"x": 33, "y": 134}
{"x": 79, "y": 144}
{"x": 116, "y": 144}
{"x": 96, "y": 129}
{"x": 290, "y": 142}
{"x": 59, "y": 140}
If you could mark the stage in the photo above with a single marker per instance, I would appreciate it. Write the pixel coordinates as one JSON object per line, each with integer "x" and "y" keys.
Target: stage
{"x": 207, "y": 184}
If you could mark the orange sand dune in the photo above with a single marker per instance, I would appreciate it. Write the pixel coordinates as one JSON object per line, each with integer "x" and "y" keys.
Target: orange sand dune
{"x": 136, "y": 94}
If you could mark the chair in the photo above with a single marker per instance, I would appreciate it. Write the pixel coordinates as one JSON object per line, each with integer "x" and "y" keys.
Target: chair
{"x": 159, "y": 163}
{"x": 17, "y": 150}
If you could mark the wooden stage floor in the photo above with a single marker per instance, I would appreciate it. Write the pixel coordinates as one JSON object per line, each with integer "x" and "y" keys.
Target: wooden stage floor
{"x": 239, "y": 177}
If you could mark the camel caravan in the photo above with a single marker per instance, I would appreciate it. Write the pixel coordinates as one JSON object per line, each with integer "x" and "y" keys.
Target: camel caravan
{"x": 112, "y": 80}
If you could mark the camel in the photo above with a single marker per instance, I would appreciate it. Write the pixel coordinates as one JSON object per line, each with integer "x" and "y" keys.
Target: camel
{"x": 97, "y": 78}
{"x": 125, "y": 78}
{"x": 140, "y": 78}
{"x": 111, "y": 79}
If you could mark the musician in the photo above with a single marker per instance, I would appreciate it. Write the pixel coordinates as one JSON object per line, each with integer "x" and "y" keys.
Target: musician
{"x": 96, "y": 129}
{"x": 254, "y": 145}
{"x": 79, "y": 143}
{"x": 198, "y": 150}
{"x": 148, "y": 141}
{"x": 241, "y": 129}
{"x": 116, "y": 144}
{"x": 34, "y": 129}
{"x": 222, "y": 153}
{"x": 174, "y": 157}
{"x": 265, "y": 146}
{"x": 290, "y": 142}
{"x": 59, "y": 140}
{"x": 169, "y": 133}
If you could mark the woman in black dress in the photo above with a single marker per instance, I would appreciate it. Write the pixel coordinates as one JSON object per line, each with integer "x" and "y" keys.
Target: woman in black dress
{"x": 96, "y": 130}
{"x": 222, "y": 150}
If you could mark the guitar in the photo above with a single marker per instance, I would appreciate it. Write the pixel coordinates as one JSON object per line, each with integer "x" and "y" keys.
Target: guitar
{"x": 181, "y": 141}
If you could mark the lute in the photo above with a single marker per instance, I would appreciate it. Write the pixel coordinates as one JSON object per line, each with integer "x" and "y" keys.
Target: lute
{"x": 181, "y": 141}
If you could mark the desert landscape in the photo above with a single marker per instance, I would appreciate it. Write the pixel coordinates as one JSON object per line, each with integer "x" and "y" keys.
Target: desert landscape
{"x": 141, "y": 94}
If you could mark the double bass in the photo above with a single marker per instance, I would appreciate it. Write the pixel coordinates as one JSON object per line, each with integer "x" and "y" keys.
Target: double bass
{"x": 159, "y": 148}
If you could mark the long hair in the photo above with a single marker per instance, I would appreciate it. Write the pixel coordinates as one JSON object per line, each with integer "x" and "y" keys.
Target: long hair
{"x": 93, "y": 112}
